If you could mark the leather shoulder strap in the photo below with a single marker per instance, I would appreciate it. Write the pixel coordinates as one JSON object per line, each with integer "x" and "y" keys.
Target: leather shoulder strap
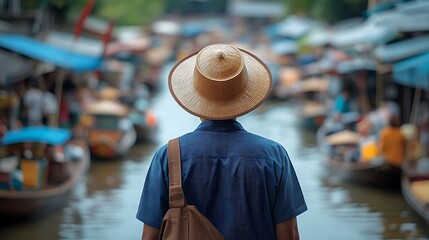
{"x": 176, "y": 196}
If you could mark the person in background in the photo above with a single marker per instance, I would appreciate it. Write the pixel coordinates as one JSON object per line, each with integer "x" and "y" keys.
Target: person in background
{"x": 50, "y": 108}
{"x": 344, "y": 109}
{"x": 342, "y": 102}
{"x": 33, "y": 101}
{"x": 243, "y": 183}
{"x": 392, "y": 143}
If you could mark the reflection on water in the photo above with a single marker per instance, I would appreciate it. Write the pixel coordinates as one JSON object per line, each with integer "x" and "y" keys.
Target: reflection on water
{"x": 103, "y": 206}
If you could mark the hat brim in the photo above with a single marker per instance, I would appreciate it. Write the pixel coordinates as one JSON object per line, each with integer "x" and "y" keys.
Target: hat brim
{"x": 181, "y": 85}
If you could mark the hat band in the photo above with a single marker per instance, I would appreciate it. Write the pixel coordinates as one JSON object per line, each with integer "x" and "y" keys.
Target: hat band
{"x": 220, "y": 89}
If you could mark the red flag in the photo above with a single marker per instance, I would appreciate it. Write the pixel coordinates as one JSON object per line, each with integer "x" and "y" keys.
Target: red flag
{"x": 85, "y": 13}
{"x": 107, "y": 36}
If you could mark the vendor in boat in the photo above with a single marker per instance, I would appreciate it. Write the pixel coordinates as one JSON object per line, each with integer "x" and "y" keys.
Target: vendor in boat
{"x": 392, "y": 142}
{"x": 58, "y": 166}
{"x": 344, "y": 108}
{"x": 342, "y": 102}
{"x": 33, "y": 101}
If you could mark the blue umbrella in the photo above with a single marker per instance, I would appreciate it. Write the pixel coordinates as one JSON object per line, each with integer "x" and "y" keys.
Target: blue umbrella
{"x": 48, "y": 135}
{"x": 41, "y": 51}
{"x": 413, "y": 72}
{"x": 402, "y": 49}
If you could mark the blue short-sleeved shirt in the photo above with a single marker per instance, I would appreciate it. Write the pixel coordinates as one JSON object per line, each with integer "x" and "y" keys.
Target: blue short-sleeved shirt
{"x": 342, "y": 104}
{"x": 243, "y": 183}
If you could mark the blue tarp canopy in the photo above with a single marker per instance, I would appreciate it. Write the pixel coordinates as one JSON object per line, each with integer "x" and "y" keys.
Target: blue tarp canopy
{"x": 292, "y": 27}
{"x": 357, "y": 64}
{"x": 365, "y": 33}
{"x": 48, "y": 135}
{"x": 413, "y": 72}
{"x": 401, "y": 50}
{"x": 44, "y": 52}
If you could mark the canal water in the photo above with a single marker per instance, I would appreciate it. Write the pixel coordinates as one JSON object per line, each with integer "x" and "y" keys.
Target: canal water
{"x": 104, "y": 204}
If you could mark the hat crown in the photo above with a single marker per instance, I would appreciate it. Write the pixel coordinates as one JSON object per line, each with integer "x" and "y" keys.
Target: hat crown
{"x": 220, "y": 62}
{"x": 219, "y": 72}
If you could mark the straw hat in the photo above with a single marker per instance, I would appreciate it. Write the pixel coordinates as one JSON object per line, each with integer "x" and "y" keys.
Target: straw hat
{"x": 110, "y": 93}
{"x": 220, "y": 82}
{"x": 312, "y": 109}
{"x": 107, "y": 107}
{"x": 314, "y": 85}
{"x": 343, "y": 138}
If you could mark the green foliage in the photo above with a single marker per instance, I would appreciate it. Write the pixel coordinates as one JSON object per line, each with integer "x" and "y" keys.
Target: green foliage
{"x": 130, "y": 12}
{"x": 199, "y": 7}
{"x": 29, "y": 4}
{"x": 137, "y": 12}
{"x": 58, "y": 4}
{"x": 301, "y": 6}
{"x": 328, "y": 10}
{"x": 125, "y": 12}
{"x": 174, "y": 6}
{"x": 335, "y": 10}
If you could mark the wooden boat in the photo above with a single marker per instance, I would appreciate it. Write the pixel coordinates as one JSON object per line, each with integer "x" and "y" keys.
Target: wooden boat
{"x": 52, "y": 194}
{"x": 343, "y": 159}
{"x": 144, "y": 122}
{"x": 415, "y": 189}
{"x": 146, "y": 132}
{"x": 110, "y": 133}
{"x": 312, "y": 91}
{"x": 373, "y": 173}
{"x": 287, "y": 79}
{"x": 313, "y": 114}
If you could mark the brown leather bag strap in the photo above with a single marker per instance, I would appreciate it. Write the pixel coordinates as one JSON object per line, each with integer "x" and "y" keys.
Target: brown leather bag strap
{"x": 176, "y": 196}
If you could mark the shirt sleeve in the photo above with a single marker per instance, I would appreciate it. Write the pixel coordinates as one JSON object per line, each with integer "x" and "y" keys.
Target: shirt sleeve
{"x": 289, "y": 201}
{"x": 154, "y": 198}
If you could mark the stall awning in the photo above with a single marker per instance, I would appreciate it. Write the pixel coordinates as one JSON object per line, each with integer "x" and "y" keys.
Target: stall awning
{"x": 402, "y": 21}
{"x": 13, "y": 68}
{"x": 365, "y": 33}
{"x": 48, "y": 135}
{"x": 413, "y": 72}
{"x": 402, "y": 50}
{"x": 44, "y": 52}
{"x": 357, "y": 64}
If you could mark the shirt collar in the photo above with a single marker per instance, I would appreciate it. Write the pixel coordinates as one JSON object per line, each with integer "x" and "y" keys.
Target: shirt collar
{"x": 220, "y": 126}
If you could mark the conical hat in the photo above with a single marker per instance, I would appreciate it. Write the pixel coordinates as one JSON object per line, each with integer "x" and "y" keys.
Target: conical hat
{"x": 107, "y": 107}
{"x": 220, "y": 82}
{"x": 343, "y": 137}
{"x": 110, "y": 93}
{"x": 311, "y": 109}
{"x": 314, "y": 85}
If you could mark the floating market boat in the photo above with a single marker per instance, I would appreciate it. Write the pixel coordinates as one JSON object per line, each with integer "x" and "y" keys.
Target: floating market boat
{"x": 110, "y": 132}
{"x": 415, "y": 189}
{"x": 313, "y": 112}
{"x": 38, "y": 184}
{"x": 344, "y": 158}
